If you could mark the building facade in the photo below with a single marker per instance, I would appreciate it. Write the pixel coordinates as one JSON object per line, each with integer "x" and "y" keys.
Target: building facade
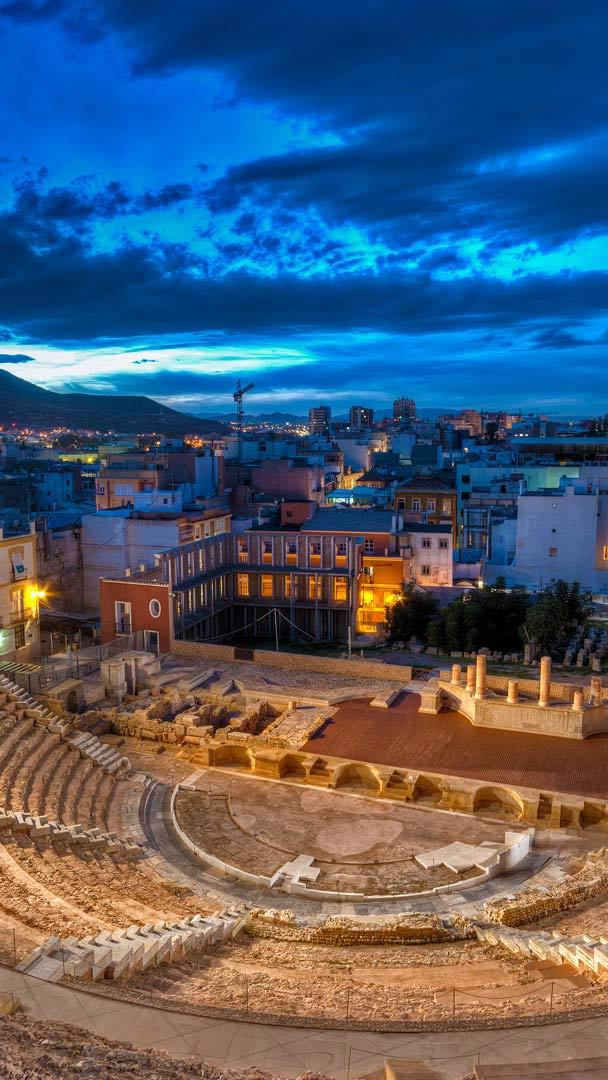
{"x": 20, "y": 595}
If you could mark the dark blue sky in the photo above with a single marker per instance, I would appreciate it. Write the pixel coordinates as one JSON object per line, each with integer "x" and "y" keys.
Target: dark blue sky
{"x": 342, "y": 201}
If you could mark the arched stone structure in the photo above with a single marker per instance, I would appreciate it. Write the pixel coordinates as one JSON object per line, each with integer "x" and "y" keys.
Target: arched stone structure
{"x": 498, "y": 799}
{"x": 427, "y": 790}
{"x": 357, "y": 775}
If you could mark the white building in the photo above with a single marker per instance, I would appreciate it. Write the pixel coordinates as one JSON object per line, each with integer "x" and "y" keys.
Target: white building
{"x": 563, "y": 534}
{"x": 427, "y": 548}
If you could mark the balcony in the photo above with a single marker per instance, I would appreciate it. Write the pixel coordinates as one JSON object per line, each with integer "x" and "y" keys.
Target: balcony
{"x": 13, "y": 618}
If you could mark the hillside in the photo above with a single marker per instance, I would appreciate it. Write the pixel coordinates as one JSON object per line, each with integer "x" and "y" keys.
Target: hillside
{"x": 26, "y": 405}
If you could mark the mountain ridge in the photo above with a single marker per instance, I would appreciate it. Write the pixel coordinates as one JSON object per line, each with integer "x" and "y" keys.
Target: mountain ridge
{"x": 25, "y": 404}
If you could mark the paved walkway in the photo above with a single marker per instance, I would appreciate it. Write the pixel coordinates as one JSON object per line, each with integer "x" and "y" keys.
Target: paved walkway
{"x": 450, "y": 744}
{"x": 290, "y": 1051}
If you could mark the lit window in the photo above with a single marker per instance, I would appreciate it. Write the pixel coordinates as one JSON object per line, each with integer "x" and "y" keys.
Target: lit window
{"x": 314, "y": 588}
{"x": 266, "y": 584}
{"x": 447, "y": 506}
{"x": 242, "y": 584}
{"x": 340, "y": 587}
{"x": 287, "y": 586}
{"x": 605, "y": 555}
{"x": 553, "y": 551}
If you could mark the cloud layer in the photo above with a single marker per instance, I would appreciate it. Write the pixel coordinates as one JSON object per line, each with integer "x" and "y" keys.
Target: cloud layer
{"x": 402, "y": 196}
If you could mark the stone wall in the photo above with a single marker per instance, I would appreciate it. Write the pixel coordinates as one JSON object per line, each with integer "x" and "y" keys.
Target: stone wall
{"x": 299, "y": 662}
{"x": 341, "y": 931}
{"x": 535, "y": 904}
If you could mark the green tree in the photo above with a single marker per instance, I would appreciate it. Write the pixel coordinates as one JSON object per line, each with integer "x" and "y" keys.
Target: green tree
{"x": 411, "y": 614}
{"x": 560, "y": 607}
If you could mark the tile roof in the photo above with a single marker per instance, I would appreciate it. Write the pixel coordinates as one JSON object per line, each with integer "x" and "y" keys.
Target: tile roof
{"x": 355, "y": 520}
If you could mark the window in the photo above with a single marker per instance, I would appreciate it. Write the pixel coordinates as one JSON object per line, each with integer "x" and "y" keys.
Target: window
{"x": 20, "y": 636}
{"x": 415, "y": 504}
{"x": 267, "y": 585}
{"x": 288, "y": 513}
{"x": 368, "y": 547}
{"x": 314, "y": 588}
{"x": 18, "y": 565}
{"x": 401, "y": 504}
{"x": 605, "y": 555}
{"x": 340, "y": 590}
{"x": 154, "y": 607}
{"x": 553, "y": 551}
{"x": 446, "y": 506}
{"x": 122, "y": 616}
{"x": 287, "y": 586}
{"x": 466, "y": 479}
{"x": 341, "y": 547}
{"x": 243, "y": 551}
{"x": 426, "y": 543}
{"x": 242, "y": 584}
{"x": 443, "y": 544}
{"x": 425, "y": 571}
{"x": 292, "y": 547}
{"x": 315, "y": 547}
{"x": 431, "y": 505}
{"x": 267, "y": 547}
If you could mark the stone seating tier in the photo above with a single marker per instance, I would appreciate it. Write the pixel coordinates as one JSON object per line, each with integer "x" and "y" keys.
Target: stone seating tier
{"x": 36, "y": 827}
{"x": 113, "y": 954}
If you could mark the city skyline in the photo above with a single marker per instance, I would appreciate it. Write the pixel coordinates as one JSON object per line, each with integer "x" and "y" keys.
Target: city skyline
{"x": 181, "y": 204}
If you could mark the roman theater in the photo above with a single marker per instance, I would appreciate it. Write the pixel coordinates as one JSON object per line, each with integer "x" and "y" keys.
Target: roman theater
{"x": 336, "y": 845}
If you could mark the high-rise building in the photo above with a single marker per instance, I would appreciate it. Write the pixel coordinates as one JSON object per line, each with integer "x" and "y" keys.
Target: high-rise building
{"x": 404, "y": 408}
{"x": 361, "y": 418}
{"x": 319, "y": 419}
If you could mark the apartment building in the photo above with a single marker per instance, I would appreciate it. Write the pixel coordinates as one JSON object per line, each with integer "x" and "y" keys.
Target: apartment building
{"x": 127, "y": 475}
{"x": 427, "y": 498}
{"x": 319, "y": 581}
{"x": 20, "y": 594}
{"x": 119, "y": 540}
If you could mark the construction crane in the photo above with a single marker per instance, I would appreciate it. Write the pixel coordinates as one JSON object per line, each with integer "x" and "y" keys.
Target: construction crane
{"x": 238, "y": 398}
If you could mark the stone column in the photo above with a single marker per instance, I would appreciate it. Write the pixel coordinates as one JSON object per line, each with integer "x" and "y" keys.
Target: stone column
{"x": 513, "y": 691}
{"x": 480, "y": 676}
{"x": 596, "y": 689}
{"x": 579, "y": 700}
{"x": 544, "y": 696}
{"x": 456, "y": 673}
{"x": 471, "y": 679}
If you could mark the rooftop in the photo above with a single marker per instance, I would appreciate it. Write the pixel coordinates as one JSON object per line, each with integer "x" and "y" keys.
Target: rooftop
{"x": 350, "y": 520}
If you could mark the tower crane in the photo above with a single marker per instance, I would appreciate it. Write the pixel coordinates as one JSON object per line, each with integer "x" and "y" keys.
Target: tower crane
{"x": 238, "y": 398}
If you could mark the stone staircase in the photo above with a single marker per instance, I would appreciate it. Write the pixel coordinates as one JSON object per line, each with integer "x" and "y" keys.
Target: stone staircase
{"x": 37, "y": 826}
{"x": 114, "y": 954}
{"x": 106, "y": 757}
{"x": 21, "y": 698}
{"x": 582, "y": 953}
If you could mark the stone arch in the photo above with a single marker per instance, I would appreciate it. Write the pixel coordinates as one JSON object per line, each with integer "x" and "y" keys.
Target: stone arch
{"x": 426, "y": 790}
{"x": 72, "y": 703}
{"x": 292, "y": 765}
{"x": 239, "y": 756}
{"x": 498, "y": 800}
{"x": 593, "y": 816}
{"x": 357, "y": 776}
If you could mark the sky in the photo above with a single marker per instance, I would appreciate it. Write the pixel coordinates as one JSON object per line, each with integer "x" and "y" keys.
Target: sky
{"x": 341, "y": 202}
